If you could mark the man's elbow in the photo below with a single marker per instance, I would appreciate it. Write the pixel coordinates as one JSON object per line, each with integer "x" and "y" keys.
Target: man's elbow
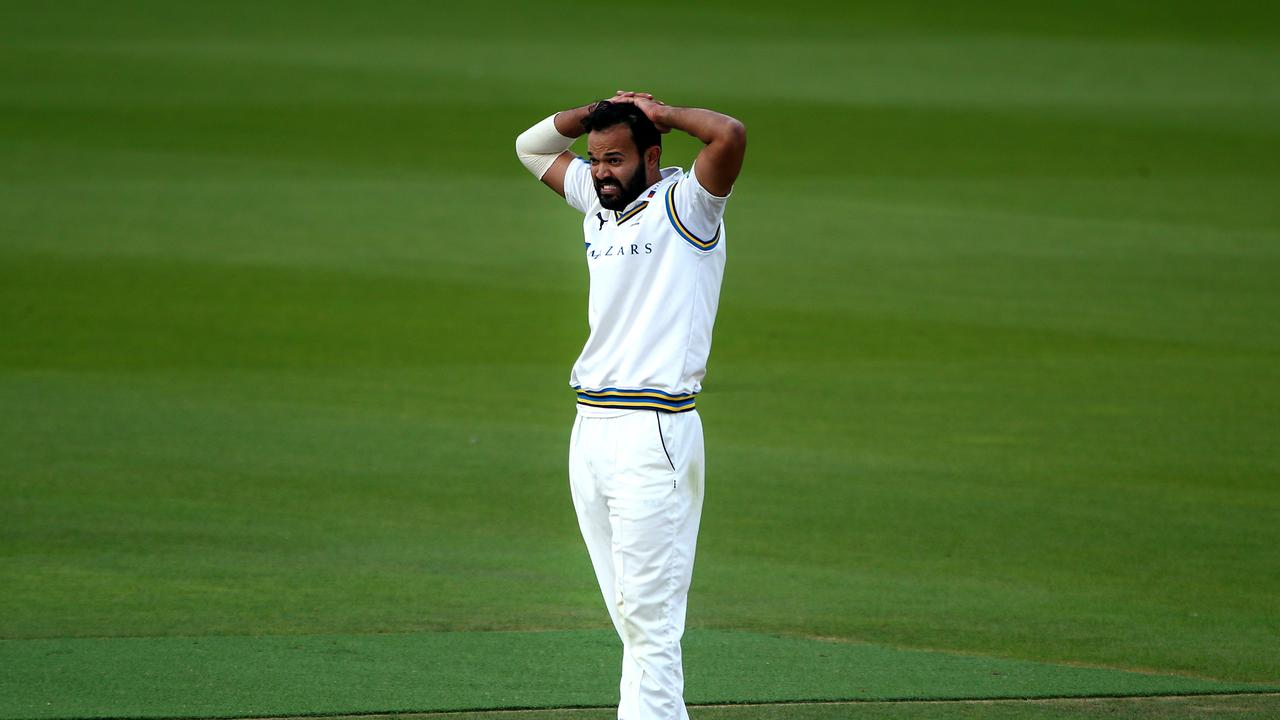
{"x": 524, "y": 143}
{"x": 735, "y": 133}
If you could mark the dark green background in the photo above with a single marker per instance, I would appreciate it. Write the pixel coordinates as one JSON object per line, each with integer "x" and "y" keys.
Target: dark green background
{"x": 285, "y": 328}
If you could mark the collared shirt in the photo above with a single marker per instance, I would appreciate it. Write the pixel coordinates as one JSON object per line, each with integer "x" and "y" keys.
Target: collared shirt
{"x": 656, "y": 269}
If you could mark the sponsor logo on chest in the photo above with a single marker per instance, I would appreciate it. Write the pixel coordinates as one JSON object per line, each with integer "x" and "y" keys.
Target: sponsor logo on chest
{"x": 602, "y": 250}
{"x": 619, "y": 234}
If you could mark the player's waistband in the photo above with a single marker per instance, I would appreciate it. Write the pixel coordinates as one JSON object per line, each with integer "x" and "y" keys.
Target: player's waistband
{"x": 643, "y": 399}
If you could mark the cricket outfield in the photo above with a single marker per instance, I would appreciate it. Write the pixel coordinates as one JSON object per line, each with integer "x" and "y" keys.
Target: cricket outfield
{"x": 991, "y": 412}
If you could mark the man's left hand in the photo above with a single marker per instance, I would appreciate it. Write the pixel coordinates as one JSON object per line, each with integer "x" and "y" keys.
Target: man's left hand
{"x": 651, "y": 107}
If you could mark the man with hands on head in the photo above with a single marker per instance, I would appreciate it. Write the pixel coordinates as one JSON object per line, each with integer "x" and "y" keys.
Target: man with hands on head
{"x": 655, "y": 250}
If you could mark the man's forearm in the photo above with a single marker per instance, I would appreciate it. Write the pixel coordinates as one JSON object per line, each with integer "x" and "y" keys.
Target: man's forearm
{"x": 719, "y": 163}
{"x": 569, "y": 122}
{"x": 542, "y": 148}
{"x": 541, "y": 145}
{"x": 707, "y": 125}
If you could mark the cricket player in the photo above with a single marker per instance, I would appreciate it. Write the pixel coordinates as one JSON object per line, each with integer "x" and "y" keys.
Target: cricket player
{"x": 655, "y": 249}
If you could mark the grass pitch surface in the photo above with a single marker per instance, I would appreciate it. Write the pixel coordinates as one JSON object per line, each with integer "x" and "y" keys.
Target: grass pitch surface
{"x": 286, "y": 327}
{"x": 324, "y": 674}
{"x": 1198, "y": 708}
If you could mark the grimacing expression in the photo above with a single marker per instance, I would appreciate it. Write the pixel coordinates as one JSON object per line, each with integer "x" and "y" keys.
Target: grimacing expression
{"x": 617, "y": 168}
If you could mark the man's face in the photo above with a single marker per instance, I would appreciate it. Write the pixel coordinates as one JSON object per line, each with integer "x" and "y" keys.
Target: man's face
{"x": 617, "y": 168}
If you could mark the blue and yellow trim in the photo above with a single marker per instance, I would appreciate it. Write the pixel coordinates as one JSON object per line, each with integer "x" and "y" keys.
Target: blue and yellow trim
{"x": 645, "y": 399}
{"x": 620, "y": 218}
{"x": 694, "y": 240}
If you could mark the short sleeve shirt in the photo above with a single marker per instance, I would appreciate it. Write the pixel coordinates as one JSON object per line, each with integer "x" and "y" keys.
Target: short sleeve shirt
{"x": 656, "y": 268}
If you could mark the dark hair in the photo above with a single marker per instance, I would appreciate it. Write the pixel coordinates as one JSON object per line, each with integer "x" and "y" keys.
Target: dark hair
{"x": 606, "y": 114}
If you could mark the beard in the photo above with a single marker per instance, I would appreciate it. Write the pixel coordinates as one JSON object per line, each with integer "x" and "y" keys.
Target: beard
{"x": 627, "y": 192}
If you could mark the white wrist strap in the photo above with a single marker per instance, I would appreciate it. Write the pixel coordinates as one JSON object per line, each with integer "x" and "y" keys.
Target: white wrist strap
{"x": 539, "y": 146}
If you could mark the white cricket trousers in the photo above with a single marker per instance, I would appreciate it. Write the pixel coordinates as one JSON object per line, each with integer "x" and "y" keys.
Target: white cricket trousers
{"x": 637, "y": 484}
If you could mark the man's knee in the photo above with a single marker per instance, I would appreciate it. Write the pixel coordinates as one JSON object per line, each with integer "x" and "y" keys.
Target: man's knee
{"x": 646, "y": 622}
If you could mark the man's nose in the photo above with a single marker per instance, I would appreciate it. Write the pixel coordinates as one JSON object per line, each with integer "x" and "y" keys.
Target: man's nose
{"x": 601, "y": 171}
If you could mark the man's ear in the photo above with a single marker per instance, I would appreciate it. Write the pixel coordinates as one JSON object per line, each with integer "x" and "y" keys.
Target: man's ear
{"x": 653, "y": 156}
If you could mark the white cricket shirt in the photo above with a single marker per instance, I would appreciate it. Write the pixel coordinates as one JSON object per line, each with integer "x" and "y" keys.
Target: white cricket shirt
{"x": 656, "y": 269}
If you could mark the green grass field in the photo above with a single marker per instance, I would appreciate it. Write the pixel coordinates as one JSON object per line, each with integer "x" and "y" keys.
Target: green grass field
{"x": 992, "y": 410}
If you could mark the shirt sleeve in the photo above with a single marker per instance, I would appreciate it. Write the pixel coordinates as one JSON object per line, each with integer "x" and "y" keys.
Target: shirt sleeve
{"x": 695, "y": 213}
{"x": 579, "y": 191}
